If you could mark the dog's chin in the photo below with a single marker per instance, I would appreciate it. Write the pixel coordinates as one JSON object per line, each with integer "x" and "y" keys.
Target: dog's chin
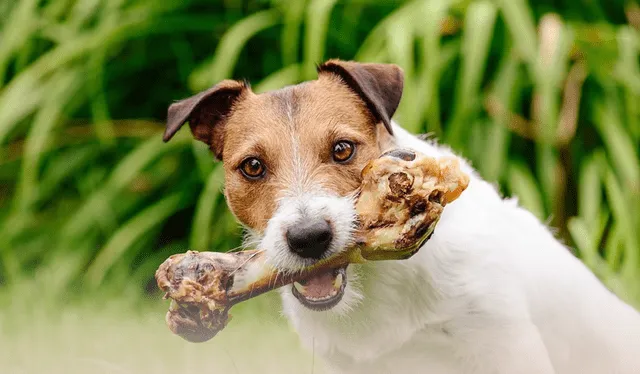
{"x": 323, "y": 291}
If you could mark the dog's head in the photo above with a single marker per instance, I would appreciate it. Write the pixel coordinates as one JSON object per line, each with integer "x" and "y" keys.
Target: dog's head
{"x": 293, "y": 159}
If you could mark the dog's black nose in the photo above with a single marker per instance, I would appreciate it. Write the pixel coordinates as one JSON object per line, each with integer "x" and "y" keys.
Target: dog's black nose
{"x": 403, "y": 154}
{"x": 310, "y": 238}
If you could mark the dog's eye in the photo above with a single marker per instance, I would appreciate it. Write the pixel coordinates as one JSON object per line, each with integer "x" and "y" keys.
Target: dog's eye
{"x": 343, "y": 151}
{"x": 252, "y": 168}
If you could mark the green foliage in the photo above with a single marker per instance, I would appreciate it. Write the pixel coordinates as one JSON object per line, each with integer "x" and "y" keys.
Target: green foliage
{"x": 541, "y": 96}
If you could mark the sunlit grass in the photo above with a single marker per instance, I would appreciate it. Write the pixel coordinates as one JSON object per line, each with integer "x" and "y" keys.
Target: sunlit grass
{"x": 109, "y": 336}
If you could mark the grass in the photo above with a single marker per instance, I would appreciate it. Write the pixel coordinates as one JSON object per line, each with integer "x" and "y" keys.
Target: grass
{"x": 116, "y": 340}
{"x": 540, "y": 96}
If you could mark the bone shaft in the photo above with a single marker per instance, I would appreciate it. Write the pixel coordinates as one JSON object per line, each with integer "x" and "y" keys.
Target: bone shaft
{"x": 276, "y": 280}
{"x": 265, "y": 281}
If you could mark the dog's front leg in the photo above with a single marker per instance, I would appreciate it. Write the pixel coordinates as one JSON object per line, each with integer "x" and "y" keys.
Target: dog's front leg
{"x": 511, "y": 349}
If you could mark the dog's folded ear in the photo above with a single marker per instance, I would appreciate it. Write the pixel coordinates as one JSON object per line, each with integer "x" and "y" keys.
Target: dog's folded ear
{"x": 378, "y": 85}
{"x": 206, "y": 113}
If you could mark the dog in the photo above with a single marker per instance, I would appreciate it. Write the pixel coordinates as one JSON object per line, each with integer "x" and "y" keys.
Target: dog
{"x": 492, "y": 291}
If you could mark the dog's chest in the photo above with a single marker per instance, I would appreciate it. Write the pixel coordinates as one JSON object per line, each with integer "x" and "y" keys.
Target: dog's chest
{"x": 430, "y": 350}
{"x": 394, "y": 329}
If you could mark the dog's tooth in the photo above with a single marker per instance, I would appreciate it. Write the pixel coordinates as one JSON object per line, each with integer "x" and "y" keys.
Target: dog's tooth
{"x": 299, "y": 287}
{"x": 338, "y": 282}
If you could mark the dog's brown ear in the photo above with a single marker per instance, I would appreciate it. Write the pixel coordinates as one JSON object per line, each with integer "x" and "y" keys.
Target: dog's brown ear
{"x": 206, "y": 113}
{"x": 378, "y": 85}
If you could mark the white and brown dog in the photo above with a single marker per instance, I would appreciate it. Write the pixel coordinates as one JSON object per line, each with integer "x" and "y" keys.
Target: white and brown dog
{"x": 492, "y": 291}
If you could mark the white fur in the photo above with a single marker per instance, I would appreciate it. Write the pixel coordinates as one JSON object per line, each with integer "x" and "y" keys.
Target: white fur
{"x": 293, "y": 209}
{"x": 491, "y": 292}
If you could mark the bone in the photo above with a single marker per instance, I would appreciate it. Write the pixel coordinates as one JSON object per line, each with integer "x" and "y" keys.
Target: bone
{"x": 399, "y": 203}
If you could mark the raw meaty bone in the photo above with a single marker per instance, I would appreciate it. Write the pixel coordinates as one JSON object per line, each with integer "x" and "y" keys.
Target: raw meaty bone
{"x": 399, "y": 203}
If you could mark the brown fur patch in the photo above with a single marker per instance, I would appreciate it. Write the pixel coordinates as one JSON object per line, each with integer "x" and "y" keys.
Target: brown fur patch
{"x": 293, "y": 131}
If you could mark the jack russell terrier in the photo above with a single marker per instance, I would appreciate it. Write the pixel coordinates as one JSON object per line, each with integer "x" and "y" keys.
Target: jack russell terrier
{"x": 492, "y": 292}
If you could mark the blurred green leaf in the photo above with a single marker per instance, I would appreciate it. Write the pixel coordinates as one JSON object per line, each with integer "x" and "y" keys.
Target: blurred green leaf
{"x": 203, "y": 219}
{"x": 582, "y": 236}
{"x": 123, "y": 174}
{"x": 204, "y": 158}
{"x": 622, "y": 152}
{"x": 28, "y": 84}
{"x": 520, "y": 23}
{"x": 293, "y": 18}
{"x": 65, "y": 85}
{"x": 221, "y": 65}
{"x": 547, "y": 168}
{"x": 614, "y": 248}
{"x": 479, "y": 25}
{"x": 590, "y": 189}
{"x": 61, "y": 168}
{"x": 99, "y": 105}
{"x": 627, "y": 69}
{"x": 372, "y": 48}
{"x": 20, "y": 24}
{"x": 129, "y": 233}
{"x": 281, "y": 78}
{"x": 523, "y": 185}
{"x": 624, "y": 221}
{"x": 496, "y": 151}
{"x": 424, "y": 93}
{"x": 317, "y": 23}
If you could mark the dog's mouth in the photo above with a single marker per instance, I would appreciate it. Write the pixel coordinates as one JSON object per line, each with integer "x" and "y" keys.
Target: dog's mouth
{"x": 322, "y": 291}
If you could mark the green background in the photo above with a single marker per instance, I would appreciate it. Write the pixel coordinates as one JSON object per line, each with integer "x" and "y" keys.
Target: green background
{"x": 543, "y": 97}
